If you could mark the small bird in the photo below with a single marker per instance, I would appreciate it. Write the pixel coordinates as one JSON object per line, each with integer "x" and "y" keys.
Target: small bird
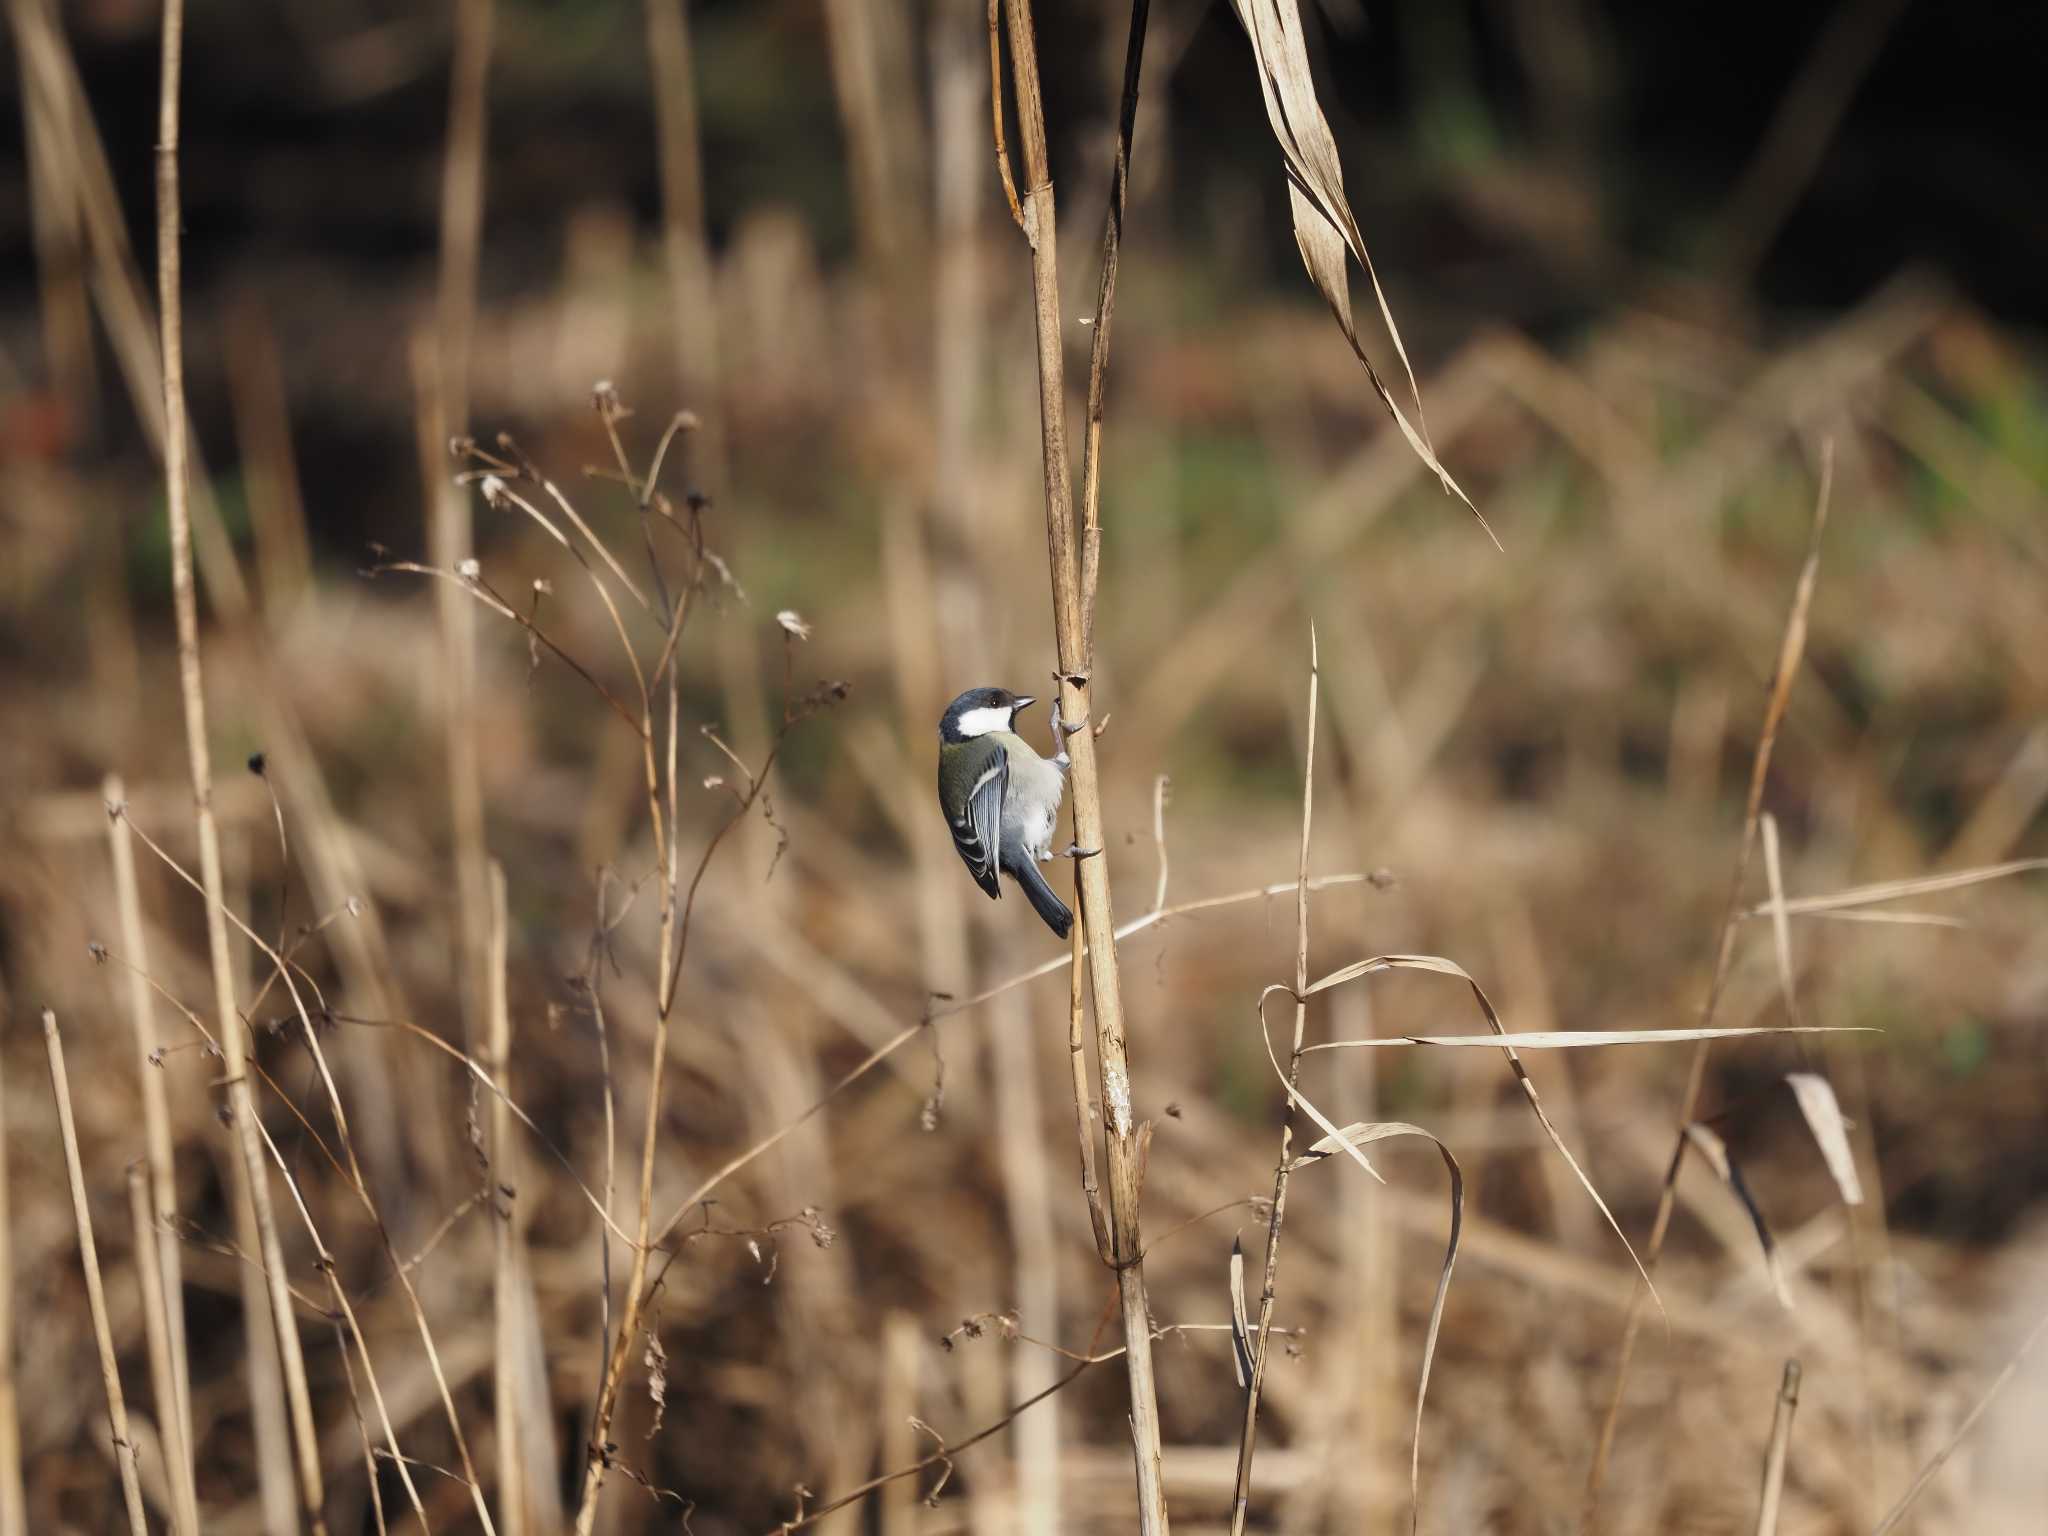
{"x": 1001, "y": 798}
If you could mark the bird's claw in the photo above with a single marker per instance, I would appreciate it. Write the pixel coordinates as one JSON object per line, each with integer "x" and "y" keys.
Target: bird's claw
{"x": 1077, "y": 852}
{"x": 1061, "y": 731}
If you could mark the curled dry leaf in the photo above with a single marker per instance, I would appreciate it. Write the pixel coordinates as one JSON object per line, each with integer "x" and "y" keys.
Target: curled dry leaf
{"x": 1349, "y": 1139}
{"x": 1710, "y": 1146}
{"x": 1823, "y": 1114}
{"x": 1325, "y": 229}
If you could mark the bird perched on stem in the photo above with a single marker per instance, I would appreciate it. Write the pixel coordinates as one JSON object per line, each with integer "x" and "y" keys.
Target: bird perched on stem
{"x": 1001, "y": 799}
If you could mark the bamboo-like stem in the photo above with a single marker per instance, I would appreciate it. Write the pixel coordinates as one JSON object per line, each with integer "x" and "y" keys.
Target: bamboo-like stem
{"x": 156, "y": 1327}
{"x": 502, "y": 1196}
{"x": 95, "y": 1289}
{"x": 13, "y": 1498}
{"x": 1123, "y": 1137}
{"x": 1774, "y": 1458}
{"x": 1791, "y": 648}
{"x": 234, "y": 1045}
{"x": 156, "y": 1116}
{"x": 1248, "y": 1434}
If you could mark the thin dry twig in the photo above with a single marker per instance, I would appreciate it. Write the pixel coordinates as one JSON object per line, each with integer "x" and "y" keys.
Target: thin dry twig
{"x": 1774, "y": 1459}
{"x": 1790, "y": 650}
{"x": 1898, "y": 1512}
{"x": 1248, "y": 1433}
{"x": 95, "y": 1288}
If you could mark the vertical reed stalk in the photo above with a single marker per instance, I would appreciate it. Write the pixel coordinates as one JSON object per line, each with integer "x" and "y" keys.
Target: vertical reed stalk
{"x": 1124, "y": 1139}
{"x": 95, "y": 1289}
{"x": 502, "y": 1197}
{"x": 156, "y": 1114}
{"x": 233, "y": 1042}
{"x": 163, "y": 1383}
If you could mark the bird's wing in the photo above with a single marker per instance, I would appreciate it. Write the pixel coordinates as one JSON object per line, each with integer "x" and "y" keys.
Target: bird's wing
{"x": 977, "y": 831}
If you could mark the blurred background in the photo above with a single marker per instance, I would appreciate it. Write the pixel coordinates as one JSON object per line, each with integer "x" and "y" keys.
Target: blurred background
{"x": 1651, "y": 264}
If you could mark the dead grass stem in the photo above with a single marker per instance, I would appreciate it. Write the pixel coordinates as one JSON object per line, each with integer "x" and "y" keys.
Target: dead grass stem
{"x": 95, "y": 1287}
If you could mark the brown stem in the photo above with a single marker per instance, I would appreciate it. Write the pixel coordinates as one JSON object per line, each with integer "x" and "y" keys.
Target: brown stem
{"x": 1123, "y": 1137}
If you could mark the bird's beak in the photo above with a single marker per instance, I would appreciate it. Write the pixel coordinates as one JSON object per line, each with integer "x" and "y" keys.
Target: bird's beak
{"x": 1026, "y": 702}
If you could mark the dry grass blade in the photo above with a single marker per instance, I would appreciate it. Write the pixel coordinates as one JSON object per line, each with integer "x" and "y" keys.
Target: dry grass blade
{"x": 1349, "y": 1140}
{"x": 1781, "y": 1443}
{"x": 1584, "y": 1039}
{"x": 1708, "y": 1143}
{"x": 1897, "y": 890}
{"x": 95, "y": 1288}
{"x": 1507, "y": 1044}
{"x": 1324, "y": 227}
{"x": 1817, "y": 1102}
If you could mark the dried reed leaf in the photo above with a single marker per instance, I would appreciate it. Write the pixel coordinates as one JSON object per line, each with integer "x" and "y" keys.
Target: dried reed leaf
{"x": 1499, "y": 1039}
{"x": 1240, "y": 1318}
{"x": 1710, "y": 1146}
{"x": 1324, "y": 227}
{"x": 1830, "y": 1131}
{"x": 1582, "y": 1039}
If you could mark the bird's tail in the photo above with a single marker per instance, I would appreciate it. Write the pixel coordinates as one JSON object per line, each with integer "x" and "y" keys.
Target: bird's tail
{"x": 1040, "y": 895}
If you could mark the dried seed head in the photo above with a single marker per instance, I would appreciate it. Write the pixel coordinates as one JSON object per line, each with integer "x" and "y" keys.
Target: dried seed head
{"x": 470, "y": 569}
{"x": 793, "y": 624}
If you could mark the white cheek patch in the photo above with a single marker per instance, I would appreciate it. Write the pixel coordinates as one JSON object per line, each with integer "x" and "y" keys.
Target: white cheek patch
{"x": 979, "y": 722}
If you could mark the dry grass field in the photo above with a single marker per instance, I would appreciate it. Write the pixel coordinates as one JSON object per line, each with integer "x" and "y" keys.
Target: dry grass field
{"x": 620, "y": 1026}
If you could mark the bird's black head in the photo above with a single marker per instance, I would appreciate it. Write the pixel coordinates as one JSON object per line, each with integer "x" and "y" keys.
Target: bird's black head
{"x": 979, "y": 711}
